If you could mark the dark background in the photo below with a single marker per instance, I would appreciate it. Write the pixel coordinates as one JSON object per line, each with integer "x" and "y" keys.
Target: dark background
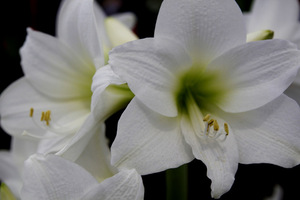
{"x": 253, "y": 182}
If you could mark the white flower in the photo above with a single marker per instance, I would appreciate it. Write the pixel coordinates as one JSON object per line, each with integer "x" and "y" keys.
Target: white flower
{"x": 202, "y": 92}
{"x": 283, "y": 18}
{"x": 11, "y": 163}
{"x": 53, "y": 99}
{"x": 51, "y": 177}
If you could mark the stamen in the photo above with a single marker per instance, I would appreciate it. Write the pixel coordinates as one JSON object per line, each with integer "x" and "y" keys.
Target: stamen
{"x": 226, "y": 128}
{"x": 47, "y": 117}
{"x": 44, "y": 123}
{"x": 216, "y": 125}
{"x": 43, "y": 116}
{"x": 31, "y": 112}
{"x": 211, "y": 122}
{"x": 206, "y": 118}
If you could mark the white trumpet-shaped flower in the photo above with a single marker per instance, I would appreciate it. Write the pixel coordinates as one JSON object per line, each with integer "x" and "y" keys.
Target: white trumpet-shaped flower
{"x": 53, "y": 99}
{"x": 283, "y": 18}
{"x": 201, "y": 91}
{"x": 91, "y": 177}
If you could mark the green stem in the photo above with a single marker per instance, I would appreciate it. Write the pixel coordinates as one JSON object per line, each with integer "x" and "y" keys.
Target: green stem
{"x": 177, "y": 183}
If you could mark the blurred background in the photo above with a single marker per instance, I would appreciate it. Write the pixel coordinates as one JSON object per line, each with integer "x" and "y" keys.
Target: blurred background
{"x": 254, "y": 182}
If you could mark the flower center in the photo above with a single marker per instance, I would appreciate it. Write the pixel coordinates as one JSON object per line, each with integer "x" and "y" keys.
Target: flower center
{"x": 207, "y": 88}
{"x": 197, "y": 94}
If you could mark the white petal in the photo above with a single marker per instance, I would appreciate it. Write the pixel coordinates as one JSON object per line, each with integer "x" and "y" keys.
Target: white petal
{"x": 117, "y": 32}
{"x": 11, "y": 163}
{"x": 50, "y": 144}
{"x": 10, "y": 173}
{"x": 51, "y": 177}
{"x": 148, "y": 66}
{"x": 269, "y": 134}
{"x": 220, "y": 157}
{"x": 22, "y": 148}
{"x": 148, "y": 141}
{"x": 81, "y": 25}
{"x": 258, "y": 71}
{"x": 20, "y": 97}
{"x": 277, "y": 15}
{"x": 126, "y": 185}
{"x": 105, "y": 101}
{"x": 95, "y": 158}
{"x": 81, "y": 139}
{"x": 127, "y": 18}
{"x": 205, "y": 28}
{"x": 53, "y": 69}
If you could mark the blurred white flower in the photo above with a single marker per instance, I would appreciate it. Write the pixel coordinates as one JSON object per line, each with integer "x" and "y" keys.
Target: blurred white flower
{"x": 283, "y": 18}
{"x": 277, "y": 193}
{"x": 53, "y": 99}
{"x": 91, "y": 177}
{"x": 202, "y": 92}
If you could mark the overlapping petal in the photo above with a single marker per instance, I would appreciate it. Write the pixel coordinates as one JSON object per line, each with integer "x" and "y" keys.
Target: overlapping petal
{"x": 11, "y": 163}
{"x": 54, "y": 69}
{"x": 126, "y": 184}
{"x": 205, "y": 28}
{"x": 95, "y": 157}
{"x": 9, "y": 173}
{"x": 148, "y": 141}
{"x": 258, "y": 71}
{"x": 81, "y": 139}
{"x": 117, "y": 32}
{"x": 43, "y": 174}
{"x": 149, "y": 67}
{"x": 15, "y": 111}
{"x": 279, "y": 16}
{"x": 80, "y": 24}
{"x": 269, "y": 134}
{"x": 110, "y": 93}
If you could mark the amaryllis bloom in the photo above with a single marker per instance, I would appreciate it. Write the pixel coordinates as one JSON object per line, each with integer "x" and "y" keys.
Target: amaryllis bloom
{"x": 52, "y": 177}
{"x": 283, "y": 18}
{"x": 53, "y": 99}
{"x": 201, "y": 91}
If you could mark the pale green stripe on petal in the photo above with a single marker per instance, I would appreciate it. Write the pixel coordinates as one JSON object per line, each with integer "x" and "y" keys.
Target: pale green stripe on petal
{"x": 5, "y": 193}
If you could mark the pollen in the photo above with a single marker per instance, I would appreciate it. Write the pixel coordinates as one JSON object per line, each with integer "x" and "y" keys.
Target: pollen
{"x": 31, "y": 112}
{"x": 206, "y": 118}
{"x": 211, "y": 122}
{"x": 216, "y": 125}
{"x": 45, "y": 116}
{"x": 226, "y": 128}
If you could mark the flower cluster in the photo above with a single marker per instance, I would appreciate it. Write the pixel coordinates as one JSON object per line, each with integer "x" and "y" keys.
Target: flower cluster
{"x": 207, "y": 86}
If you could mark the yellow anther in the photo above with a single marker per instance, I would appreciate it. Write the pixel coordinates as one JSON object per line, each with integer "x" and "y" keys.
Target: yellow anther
{"x": 211, "y": 122}
{"x": 226, "y": 128}
{"x": 31, "y": 112}
{"x": 43, "y": 116}
{"x": 47, "y": 115}
{"x": 206, "y": 118}
{"x": 216, "y": 125}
